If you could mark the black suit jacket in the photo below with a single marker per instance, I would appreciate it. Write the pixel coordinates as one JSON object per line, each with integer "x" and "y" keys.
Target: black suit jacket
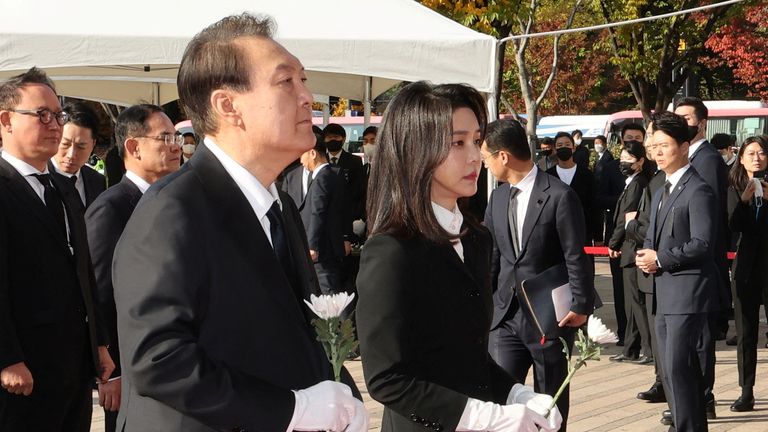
{"x": 583, "y": 184}
{"x": 552, "y": 234}
{"x": 636, "y": 229}
{"x": 629, "y": 201}
{"x": 105, "y": 219}
{"x": 752, "y": 225}
{"x": 684, "y": 245}
{"x": 45, "y": 291}
{"x": 323, "y": 214}
{"x": 423, "y": 318}
{"x": 352, "y": 168}
{"x": 291, "y": 183}
{"x": 212, "y": 334}
{"x": 94, "y": 183}
{"x": 581, "y": 156}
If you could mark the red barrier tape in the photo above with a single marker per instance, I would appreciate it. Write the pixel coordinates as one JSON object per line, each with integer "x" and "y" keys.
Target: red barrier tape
{"x": 603, "y": 251}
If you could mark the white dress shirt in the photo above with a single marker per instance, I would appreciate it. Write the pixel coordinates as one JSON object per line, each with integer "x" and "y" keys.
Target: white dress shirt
{"x": 675, "y": 177}
{"x": 259, "y": 197}
{"x": 451, "y": 221}
{"x": 140, "y": 183}
{"x": 694, "y": 146}
{"x": 566, "y": 174}
{"x": 523, "y": 197}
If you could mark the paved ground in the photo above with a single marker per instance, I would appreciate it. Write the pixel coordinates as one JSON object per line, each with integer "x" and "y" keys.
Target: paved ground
{"x": 603, "y": 393}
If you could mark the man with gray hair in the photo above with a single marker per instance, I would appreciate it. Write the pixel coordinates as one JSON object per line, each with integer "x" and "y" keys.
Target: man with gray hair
{"x": 213, "y": 266}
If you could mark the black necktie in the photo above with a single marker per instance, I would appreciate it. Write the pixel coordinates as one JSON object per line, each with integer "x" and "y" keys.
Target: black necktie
{"x": 334, "y": 160}
{"x": 53, "y": 201}
{"x": 512, "y": 215}
{"x": 309, "y": 182}
{"x": 665, "y": 194}
{"x": 279, "y": 241}
{"x": 73, "y": 179}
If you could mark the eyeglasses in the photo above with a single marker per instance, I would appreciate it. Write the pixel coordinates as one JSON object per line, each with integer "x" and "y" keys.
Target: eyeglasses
{"x": 169, "y": 139}
{"x": 490, "y": 155}
{"x": 45, "y": 115}
{"x": 753, "y": 155}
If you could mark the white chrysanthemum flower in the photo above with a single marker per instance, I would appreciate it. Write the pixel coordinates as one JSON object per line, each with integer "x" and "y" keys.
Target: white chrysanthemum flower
{"x": 329, "y": 306}
{"x": 598, "y": 332}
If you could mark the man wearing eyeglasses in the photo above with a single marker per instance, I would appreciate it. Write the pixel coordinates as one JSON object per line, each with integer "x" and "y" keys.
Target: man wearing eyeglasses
{"x": 150, "y": 148}
{"x": 51, "y": 345}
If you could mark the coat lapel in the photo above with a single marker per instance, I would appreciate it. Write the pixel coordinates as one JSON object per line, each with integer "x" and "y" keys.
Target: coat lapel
{"x": 536, "y": 203}
{"x": 670, "y": 204}
{"x": 504, "y": 239}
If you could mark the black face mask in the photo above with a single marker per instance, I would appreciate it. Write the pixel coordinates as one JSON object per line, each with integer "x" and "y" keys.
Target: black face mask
{"x": 546, "y": 153}
{"x": 334, "y": 145}
{"x": 626, "y": 168}
{"x": 564, "y": 153}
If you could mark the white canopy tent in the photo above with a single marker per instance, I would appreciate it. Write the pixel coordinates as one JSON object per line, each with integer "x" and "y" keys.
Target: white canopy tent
{"x": 123, "y": 52}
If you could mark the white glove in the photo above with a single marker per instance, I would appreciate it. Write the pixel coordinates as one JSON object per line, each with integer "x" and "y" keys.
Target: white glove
{"x": 538, "y": 402}
{"x": 328, "y": 406}
{"x": 491, "y": 417}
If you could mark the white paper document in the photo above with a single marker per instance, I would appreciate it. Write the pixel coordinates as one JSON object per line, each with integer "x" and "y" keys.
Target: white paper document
{"x": 562, "y": 298}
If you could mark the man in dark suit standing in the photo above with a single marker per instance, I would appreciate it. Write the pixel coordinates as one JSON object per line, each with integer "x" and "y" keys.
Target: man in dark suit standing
{"x": 76, "y": 146}
{"x": 679, "y": 253}
{"x": 537, "y": 223}
{"x": 579, "y": 178}
{"x": 712, "y": 169}
{"x": 211, "y": 269}
{"x": 322, "y": 213}
{"x": 50, "y": 344}
{"x": 147, "y": 159}
{"x": 580, "y": 152}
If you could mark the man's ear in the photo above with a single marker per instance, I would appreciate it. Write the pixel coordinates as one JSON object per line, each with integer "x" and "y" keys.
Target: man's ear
{"x": 224, "y": 107}
{"x": 132, "y": 148}
{"x": 5, "y": 120}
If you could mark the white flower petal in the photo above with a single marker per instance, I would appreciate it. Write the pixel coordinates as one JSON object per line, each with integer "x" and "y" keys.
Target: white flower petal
{"x": 598, "y": 332}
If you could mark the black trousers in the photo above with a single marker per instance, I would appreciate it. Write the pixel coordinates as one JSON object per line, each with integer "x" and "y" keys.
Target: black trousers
{"x": 746, "y": 300}
{"x": 619, "y": 302}
{"x": 329, "y": 276}
{"x": 651, "y": 316}
{"x": 678, "y": 338}
{"x": 637, "y": 338}
{"x": 515, "y": 346}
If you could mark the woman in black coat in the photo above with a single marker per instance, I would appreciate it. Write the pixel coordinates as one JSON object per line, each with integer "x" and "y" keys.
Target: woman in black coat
{"x": 749, "y": 218}
{"x": 425, "y": 305}
{"x": 621, "y": 245}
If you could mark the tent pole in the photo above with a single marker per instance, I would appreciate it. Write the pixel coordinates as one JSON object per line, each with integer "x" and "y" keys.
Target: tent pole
{"x": 326, "y": 113}
{"x": 367, "y": 102}
{"x": 156, "y": 93}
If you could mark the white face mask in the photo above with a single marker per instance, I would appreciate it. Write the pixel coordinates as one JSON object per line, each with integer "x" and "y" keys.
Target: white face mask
{"x": 369, "y": 150}
{"x": 578, "y": 141}
{"x": 599, "y": 148}
{"x": 188, "y": 148}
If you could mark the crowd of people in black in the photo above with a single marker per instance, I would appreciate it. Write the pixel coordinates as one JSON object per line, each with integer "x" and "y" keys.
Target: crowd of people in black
{"x": 180, "y": 288}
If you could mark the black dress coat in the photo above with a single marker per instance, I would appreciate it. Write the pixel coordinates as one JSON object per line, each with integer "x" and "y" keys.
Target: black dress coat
{"x": 629, "y": 201}
{"x": 423, "y": 318}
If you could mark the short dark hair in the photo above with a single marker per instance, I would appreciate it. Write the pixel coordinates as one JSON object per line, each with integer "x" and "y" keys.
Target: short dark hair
{"x": 701, "y": 110}
{"x": 577, "y": 131}
{"x": 335, "y": 129}
{"x": 562, "y": 134}
{"x": 414, "y": 139}
{"x": 508, "y": 135}
{"x": 188, "y": 134}
{"x": 722, "y": 140}
{"x": 316, "y": 129}
{"x": 371, "y": 130}
{"x": 673, "y": 125}
{"x": 214, "y": 60}
{"x": 80, "y": 114}
{"x": 632, "y": 126}
{"x": 320, "y": 147}
{"x": 132, "y": 122}
{"x": 548, "y": 141}
{"x": 9, "y": 89}
{"x": 637, "y": 150}
{"x": 601, "y": 138}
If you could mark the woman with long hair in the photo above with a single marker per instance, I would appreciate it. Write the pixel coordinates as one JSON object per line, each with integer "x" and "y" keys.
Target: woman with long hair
{"x": 749, "y": 218}
{"x": 425, "y": 299}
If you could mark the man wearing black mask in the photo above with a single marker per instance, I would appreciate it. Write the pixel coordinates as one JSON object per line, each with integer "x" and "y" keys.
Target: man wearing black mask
{"x": 547, "y": 158}
{"x": 580, "y": 179}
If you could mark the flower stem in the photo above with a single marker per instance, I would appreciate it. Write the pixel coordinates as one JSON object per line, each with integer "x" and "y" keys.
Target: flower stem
{"x": 565, "y": 383}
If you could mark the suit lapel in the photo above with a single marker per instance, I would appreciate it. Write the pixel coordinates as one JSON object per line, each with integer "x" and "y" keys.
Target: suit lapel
{"x": 500, "y": 214}
{"x": 670, "y": 204}
{"x": 536, "y": 203}
{"x": 19, "y": 186}
{"x": 248, "y": 235}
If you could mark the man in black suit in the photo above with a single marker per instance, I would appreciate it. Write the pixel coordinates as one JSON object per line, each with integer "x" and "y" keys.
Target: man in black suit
{"x": 579, "y": 178}
{"x": 76, "y": 146}
{"x": 712, "y": 169}
{"x": 547, "y": 157}
{"x": 212, "y": 267}
{"x": 146, "y": 160}
{"x": 678, "y": 251}
{"x": 580, "y": 152}
{"x": 322, "y": 213}
{"x": 547, "y": 230}
{"x": 51, "y": 345}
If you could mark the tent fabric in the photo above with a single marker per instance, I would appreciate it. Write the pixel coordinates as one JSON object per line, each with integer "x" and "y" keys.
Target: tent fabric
{"x": 123, "y": 52}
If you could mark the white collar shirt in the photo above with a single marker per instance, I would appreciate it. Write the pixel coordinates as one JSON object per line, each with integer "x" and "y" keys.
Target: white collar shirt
{"x": 675, "y": 177}
{"x": 694, "y": 146}
{"x": 451, "y": 221}
{"x": 259, "y": 197}
{"x": 523, "y": 197}
{"x": 140, "y": 183}
{"x": 566, "y": 174}
{"x": 629, "y": 180}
